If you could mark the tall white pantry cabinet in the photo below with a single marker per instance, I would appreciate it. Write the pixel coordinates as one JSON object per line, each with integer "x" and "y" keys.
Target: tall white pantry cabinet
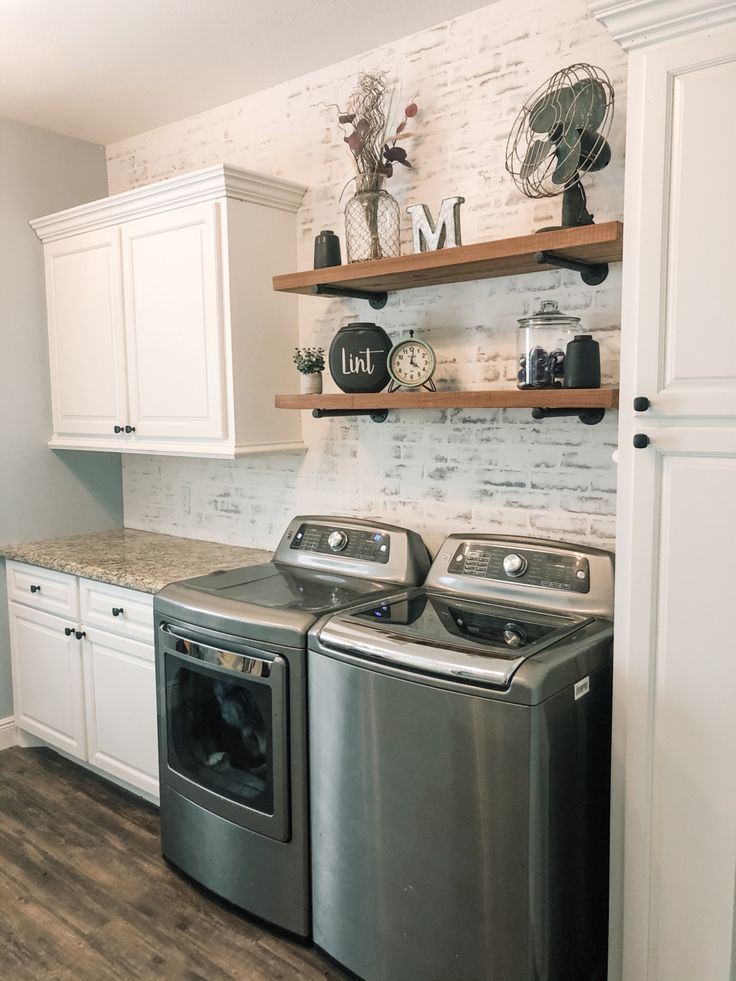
{"x": 674, "y": 794}
{"x": 165, "y": 335}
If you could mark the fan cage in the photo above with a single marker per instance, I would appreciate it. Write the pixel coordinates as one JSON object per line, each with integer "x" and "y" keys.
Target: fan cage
{"x": 536, "y": 181}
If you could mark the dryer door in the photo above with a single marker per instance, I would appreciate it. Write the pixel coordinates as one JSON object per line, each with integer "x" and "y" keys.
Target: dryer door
{"x": 224, "y": 730}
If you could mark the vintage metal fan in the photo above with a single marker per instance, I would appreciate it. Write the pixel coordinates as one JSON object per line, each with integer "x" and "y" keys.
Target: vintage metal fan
{"x": 559, "y": 135}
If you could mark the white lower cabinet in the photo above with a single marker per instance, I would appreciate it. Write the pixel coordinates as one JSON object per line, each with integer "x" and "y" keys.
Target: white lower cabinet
{"x": 47, "y": 678}
{"x": 84, "y": 671}
{"x": 120, "y": 707}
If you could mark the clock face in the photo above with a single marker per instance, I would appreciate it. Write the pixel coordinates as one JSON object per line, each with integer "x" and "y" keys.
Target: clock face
{"x": 411, "y": 363}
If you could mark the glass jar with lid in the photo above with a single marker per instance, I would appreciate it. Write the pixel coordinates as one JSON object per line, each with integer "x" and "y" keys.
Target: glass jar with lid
{"x": 542, "y": 340}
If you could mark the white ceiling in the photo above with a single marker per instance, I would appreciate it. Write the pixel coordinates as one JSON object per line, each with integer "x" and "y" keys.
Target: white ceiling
{"x": 103, "y": 70}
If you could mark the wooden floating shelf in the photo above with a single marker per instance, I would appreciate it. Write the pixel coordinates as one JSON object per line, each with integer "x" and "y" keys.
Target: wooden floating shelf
{"x": 590, "y": 244}
{"x": 499, "y": 398}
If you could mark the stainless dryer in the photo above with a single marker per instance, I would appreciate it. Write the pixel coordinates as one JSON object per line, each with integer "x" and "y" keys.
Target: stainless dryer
{"x": 459, "y": 767}
{"x": 231, "y": 684}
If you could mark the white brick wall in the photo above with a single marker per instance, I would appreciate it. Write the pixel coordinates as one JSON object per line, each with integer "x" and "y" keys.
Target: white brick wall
{"x": 436, "y": 471}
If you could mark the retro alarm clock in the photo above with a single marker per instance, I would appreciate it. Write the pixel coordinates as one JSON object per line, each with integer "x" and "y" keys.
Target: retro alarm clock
{"x": 411, "y": 364}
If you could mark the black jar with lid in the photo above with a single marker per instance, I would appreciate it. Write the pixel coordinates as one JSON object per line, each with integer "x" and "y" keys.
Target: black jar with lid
{"x": 582, "y": 363}
{"x": 327, "y": 250}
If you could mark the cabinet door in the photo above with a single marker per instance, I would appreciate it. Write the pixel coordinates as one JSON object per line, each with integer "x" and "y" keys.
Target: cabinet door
{"x": 86, "y": 342}
{"x": 120, "y": 698}
{"x": 174, "y": 331}
{"x": 47, "y": 678}
{"x": 675, "y": 698}
{"x": 680, "y": 215}
{"x": 674, "y": 807}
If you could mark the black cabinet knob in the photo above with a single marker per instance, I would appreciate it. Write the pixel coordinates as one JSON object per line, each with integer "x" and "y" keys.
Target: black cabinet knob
{"x": 641, "y": 441}
{"x": 117, "y": 611}
{"x": 117, "y": 429}
{"x": 80, "y": 633}
{"x": 641, "y": 403}
{"x": 35, "y": 589}
{"x": 68, "y": 631}
{"x": 130, "y": 429}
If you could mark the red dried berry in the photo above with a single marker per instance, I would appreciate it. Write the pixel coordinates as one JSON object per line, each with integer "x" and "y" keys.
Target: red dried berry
{"x": 411, "y": 110}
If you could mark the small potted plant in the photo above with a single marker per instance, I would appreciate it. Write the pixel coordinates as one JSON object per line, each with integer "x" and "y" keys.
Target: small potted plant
{"x": 310, "y": 363}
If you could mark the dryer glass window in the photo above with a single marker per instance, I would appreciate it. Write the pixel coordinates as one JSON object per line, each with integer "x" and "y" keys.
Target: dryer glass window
{"x": 220, "y": 732}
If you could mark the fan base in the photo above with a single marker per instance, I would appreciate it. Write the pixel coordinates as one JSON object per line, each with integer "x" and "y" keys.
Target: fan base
{"x": 575, "y": 213}
{"x": 559, "y": 228}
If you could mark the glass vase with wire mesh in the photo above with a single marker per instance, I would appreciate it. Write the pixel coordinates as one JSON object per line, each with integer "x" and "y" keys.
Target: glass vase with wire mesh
{"x": 372, "y": 229}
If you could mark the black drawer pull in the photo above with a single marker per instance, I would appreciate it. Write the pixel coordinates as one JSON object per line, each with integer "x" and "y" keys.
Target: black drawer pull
{"x": 641, "y": 403}
{"x": 80, "y": 633}
{"x": 117, "y": 429}
{"x": 641, "y": 441}
{"x": 68, "y": 631}
{"x": 130, "y": 429}
{"x": 35, "y": 589}
{"x": 117, "y": 611}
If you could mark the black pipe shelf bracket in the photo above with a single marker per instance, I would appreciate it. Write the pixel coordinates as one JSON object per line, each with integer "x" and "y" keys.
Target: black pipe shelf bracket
{"x": 376, "y": 300}
{"x": 591, "y": 273}
{"x": 589, "y": 417}
{"x": 377, "y": 415}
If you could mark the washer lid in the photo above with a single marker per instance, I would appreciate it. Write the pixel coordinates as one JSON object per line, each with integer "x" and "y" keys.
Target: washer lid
{"x": 434, "y": 633}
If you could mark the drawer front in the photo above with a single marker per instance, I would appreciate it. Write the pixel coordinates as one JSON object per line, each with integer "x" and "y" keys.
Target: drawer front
{"x": 121, "y": 611}
{"x": 43, "y": 589}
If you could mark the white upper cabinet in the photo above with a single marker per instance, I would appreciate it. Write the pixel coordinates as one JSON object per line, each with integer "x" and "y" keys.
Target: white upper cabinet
{"x": 165, "y": 335}
{"x": 171, "y": 271}
{"x": 684, "y": 212}
{"x": 86, "y": 334}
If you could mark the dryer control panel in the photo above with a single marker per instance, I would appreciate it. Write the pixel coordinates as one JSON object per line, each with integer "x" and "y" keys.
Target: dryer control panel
{"x": 347, "y": 546}
{"x": 549, "y": 570}
{"x": 353, "y": 543}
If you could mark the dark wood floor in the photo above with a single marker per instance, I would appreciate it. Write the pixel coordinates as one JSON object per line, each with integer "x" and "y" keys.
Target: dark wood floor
{"x": 85, "y": 894}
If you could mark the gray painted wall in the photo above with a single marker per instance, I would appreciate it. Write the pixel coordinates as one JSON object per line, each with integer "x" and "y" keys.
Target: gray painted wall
{"x": 43, "y": 494}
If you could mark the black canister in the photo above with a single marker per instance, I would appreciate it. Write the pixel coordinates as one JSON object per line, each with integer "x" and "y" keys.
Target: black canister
{"x": 359, "y": 358}
{"x": 327, "y": 250}
{"x": 582, "y": 363}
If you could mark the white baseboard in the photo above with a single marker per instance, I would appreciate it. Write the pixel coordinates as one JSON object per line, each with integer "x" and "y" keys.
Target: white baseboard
{"x": 8, "y": 733}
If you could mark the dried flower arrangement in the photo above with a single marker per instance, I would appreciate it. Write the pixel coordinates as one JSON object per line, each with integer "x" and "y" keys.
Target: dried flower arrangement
{"x": 372, "y": 229}
{"x": 309, "y": 360}
{"x": 365, "y": 123}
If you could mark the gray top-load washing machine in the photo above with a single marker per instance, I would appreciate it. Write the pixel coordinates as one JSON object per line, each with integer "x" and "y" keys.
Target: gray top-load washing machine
{"x": 459, "y": 769}
{"x": 231, "y": 687}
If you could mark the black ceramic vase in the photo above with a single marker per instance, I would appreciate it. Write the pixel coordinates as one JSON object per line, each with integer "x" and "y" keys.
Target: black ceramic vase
{"x": 359, "y": 358}
{"x": 583, "y": 363}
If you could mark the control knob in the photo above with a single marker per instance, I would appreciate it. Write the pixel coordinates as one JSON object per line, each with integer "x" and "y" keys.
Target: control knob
{"x": 337, "y": 540}
{"x": 514, "y": 565}
{"x": 514, "y": 635}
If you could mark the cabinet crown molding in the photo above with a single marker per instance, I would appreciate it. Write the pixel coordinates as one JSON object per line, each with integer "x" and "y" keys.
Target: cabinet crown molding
{"x": 220, "y": 181}
{"x": 640, "y": 23}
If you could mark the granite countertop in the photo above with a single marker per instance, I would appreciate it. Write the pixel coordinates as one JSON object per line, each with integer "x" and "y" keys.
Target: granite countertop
{"x": 135, "y": 559}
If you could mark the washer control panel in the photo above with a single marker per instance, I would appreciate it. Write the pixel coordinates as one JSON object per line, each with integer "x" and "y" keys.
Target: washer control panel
{"x": 352, "y": 543}
{"x": 532, "y": 567}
